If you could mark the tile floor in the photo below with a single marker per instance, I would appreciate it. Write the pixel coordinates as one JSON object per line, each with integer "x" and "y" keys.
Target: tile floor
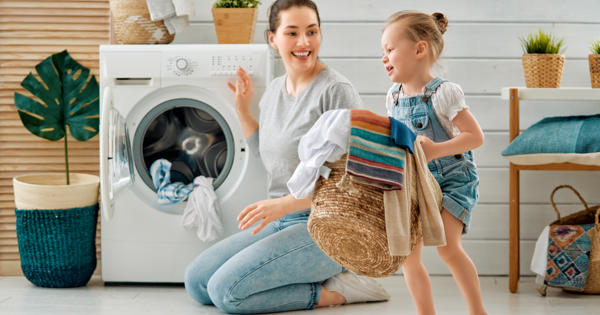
{"x": 18, "y": 296}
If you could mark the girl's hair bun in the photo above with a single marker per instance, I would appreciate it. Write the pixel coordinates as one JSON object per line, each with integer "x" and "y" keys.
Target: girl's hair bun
{"x": 441, "y": 21}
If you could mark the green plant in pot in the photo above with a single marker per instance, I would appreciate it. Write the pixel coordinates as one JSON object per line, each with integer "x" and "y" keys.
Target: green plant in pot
{"x": 543, "y": 60}
{"x": 594, "y": 59}
{"x": 57, "y": 212}
{"x": 235, "y": 20}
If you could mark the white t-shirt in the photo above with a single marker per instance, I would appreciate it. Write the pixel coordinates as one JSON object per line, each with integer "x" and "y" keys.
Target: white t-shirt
{"x": 447, "y": 101}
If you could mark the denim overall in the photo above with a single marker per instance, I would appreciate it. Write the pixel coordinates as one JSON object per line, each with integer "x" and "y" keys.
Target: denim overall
{"x": 456, "y": 174}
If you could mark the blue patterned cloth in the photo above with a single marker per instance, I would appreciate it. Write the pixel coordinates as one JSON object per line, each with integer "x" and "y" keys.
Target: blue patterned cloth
{"x": 568, "y": 256}
{"x": 167, "y": 192}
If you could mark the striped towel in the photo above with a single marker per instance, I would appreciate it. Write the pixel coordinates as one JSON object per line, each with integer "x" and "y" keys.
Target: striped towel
{"x": 167, "y": 192}
{"x": 373, "y": 158}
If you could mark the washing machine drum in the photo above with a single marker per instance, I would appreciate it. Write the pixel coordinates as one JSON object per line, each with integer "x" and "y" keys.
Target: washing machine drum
{"x": 191, "y": 135}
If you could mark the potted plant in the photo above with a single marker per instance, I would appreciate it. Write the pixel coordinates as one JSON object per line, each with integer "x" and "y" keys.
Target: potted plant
{"x": 57, "y": 212}
{"x": 235, "y": 20}
{"x": 543, "y": 60}
{"x": 594, "y": 59}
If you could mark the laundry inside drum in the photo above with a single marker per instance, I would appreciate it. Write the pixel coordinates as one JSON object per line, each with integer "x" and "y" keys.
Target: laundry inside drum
{"x": 196, "y": 146}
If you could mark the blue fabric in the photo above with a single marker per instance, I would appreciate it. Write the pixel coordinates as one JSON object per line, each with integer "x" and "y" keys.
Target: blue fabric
{"x": 167, "y": 192}
{"x": 456, "y": 175}
{"x": 402, "y": 135}
{"x": 248, "y": 273}
{"x": 566, "y": 134}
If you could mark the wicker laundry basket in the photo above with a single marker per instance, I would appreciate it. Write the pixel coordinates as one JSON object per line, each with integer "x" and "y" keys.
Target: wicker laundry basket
{"x": 131, "y": 24}
{"x": 588, "y": 215}
{"x": 350, "y": 228}
{"x": 543, "y": 70}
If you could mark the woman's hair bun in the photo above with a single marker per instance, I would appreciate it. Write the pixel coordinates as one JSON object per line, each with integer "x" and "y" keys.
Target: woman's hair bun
{"x": 441, "y": 21}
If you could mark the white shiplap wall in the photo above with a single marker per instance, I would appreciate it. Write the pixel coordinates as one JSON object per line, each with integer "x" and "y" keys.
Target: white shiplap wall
{"x": 482, "y": 54}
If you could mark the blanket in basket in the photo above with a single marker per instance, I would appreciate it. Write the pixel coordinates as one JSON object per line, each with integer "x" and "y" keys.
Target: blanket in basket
{"x": 568, "y": 256}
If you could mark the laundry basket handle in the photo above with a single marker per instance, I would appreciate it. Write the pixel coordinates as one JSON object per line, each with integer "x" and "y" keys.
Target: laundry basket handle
{"x": 597, "y": 226}
{"x": 576, "y": 193}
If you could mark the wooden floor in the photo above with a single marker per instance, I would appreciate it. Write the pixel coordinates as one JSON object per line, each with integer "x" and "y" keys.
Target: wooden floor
{"x": 18, "y": 296}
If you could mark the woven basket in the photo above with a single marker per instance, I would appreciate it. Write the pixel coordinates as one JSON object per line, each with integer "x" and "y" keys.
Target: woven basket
{"x": 595, "y": 70}
{"x": 56, "y": 227}
{"x": 543, "y": 70}
{"x": 131, "y": 24}
{"x": 585, "y": 216}
{"x": 350, "y": 228}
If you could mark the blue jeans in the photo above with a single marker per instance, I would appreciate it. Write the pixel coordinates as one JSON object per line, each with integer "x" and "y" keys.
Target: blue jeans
{"x": 278, "y": 269}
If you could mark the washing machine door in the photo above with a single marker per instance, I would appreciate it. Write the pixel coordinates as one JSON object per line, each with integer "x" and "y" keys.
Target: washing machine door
{"x": 192, "y": 136}
{"x": 116, "y": 164}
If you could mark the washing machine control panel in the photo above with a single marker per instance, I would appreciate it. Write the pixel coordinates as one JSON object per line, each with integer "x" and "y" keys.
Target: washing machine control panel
{"x": 217, "y": 65}
{"x": 228, "y": 65}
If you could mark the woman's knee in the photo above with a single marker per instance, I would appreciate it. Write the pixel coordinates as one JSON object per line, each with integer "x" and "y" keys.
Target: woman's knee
{"x": 196, "y": 284}
{"x": 219, "y": 290}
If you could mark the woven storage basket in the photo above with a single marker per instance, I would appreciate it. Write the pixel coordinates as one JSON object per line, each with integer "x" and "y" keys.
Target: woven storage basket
{"x": 131, "y": 24}
{"x": 586, "y": 216}
{"x": 543, "y": 70}
{"x": 56, "y": 227}
{"x": 350, "y": 228}
{"x": 58, "y": 247}
{"x": 594, "y": 61}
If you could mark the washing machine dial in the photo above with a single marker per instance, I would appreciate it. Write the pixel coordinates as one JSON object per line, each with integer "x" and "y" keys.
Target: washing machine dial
{"x": 182, "y": 66}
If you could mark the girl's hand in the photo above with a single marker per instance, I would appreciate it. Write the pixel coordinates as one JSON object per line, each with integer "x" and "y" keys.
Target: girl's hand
{"x": 429, "y": 148}
{"x": 243, "y": 91}
{"x": 267, "y": 210}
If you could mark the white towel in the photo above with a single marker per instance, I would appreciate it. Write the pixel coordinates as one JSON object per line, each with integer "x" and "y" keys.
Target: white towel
{"x": 175, "y": 13}
{"x": 540, "y": 254}
{"x": 202, "y": 211}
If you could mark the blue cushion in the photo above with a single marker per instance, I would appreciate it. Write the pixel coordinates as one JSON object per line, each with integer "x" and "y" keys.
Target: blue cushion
{"x": 568, "y": 134}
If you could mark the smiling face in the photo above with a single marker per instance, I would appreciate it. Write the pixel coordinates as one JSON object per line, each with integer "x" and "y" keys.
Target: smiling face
{"x": 297, "y": 38}
{"x": 402, "y": 57}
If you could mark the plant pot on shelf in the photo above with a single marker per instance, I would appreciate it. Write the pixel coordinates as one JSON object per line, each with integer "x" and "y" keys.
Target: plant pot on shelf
{"x": 56, "y": 227}
{"x": 595, "y": 70}
{"x": 131, "y": 23}
{"x": 235, "y": 25}
{"x": 543, "y": 70}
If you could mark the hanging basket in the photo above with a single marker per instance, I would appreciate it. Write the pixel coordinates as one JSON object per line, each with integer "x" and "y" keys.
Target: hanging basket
{"x": 235, "y": 25}
{"x": 56, "y": 228}
{"x": 350, "y": 228}
{"x": 543, "y": 70}
{"x": 131, "y": 24}
{"x": 595, "y": 70}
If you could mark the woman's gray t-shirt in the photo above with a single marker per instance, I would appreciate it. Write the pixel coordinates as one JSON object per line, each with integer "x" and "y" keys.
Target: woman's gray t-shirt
{"x": 284, "y": 119}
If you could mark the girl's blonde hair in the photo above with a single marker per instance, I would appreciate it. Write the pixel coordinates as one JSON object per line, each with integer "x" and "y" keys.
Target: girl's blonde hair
{"x": 420, "y": 26}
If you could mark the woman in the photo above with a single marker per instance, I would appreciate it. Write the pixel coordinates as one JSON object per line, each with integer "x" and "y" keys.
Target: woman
{"x": 277, "y": 266}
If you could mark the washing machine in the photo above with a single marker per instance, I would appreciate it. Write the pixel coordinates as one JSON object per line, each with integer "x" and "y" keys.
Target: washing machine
{"x": 171, "y": 102}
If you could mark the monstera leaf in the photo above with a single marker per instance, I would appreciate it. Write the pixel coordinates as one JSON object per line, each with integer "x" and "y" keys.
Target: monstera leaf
{"x": 65, "y": 96}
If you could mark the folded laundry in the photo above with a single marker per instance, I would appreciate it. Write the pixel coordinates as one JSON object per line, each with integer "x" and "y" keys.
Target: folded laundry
{"x": 374, "y": 158}
{"x": 174, "y": 13}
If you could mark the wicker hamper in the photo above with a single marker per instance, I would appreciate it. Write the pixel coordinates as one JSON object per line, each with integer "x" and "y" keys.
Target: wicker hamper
{"x": 350, "y": 228}
{"x": 587, "y": 216}
{"x": 131, "y": 24}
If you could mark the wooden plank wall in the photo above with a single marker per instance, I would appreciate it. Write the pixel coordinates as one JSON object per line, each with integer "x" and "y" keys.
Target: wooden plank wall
{"x": 482, "y": 53}
{"x": 30, "y": 31}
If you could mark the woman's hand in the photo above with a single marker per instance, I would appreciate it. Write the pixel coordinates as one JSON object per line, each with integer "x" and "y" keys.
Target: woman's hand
{"x": 243, "y": 92}
{"x": 267, "y": 210}
{"x": 429, "y": 148}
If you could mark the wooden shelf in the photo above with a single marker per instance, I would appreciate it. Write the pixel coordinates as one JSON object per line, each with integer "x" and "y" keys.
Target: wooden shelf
{"x": 514, "y": 95}
{"x": 560, "y": 94}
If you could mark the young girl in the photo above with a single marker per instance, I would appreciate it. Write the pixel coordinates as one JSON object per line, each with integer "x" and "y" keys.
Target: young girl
{"x": 435, "y": 110}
